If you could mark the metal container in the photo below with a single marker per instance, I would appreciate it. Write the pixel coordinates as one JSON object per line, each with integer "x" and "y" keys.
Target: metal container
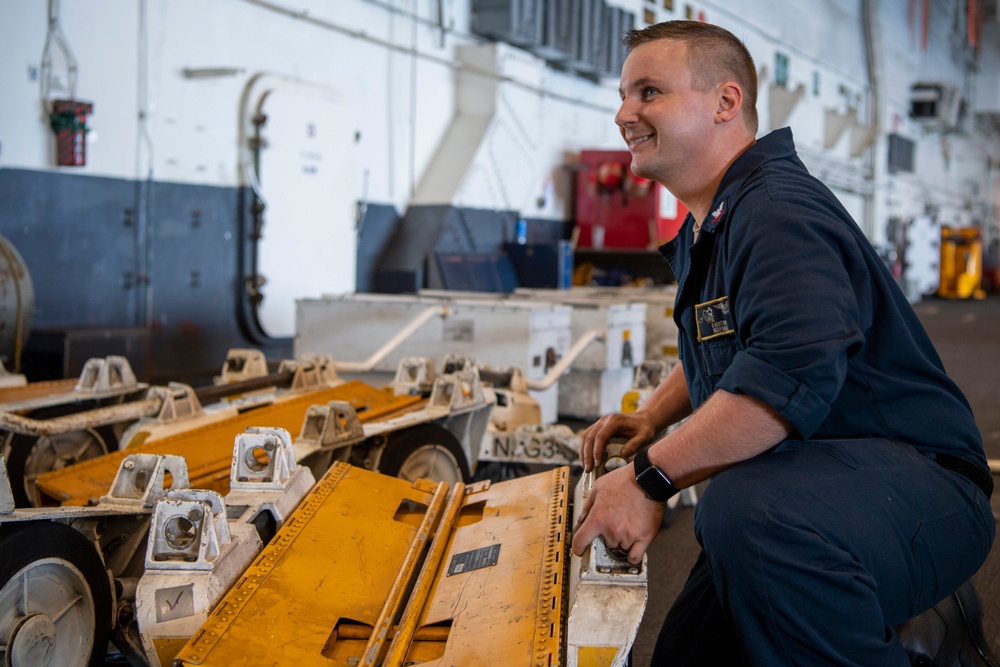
{"x": 661, "y": 330}
{"x": 494, "y": 331}
{"x": 602, "y": 374}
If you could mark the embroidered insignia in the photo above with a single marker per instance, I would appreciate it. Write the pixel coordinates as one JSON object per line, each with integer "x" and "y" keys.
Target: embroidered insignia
{"x": 719, "y": 212}
{"x": 713, "y": 319}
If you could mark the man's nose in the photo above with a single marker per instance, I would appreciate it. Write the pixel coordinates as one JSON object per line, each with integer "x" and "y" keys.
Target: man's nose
{"x": 625, "y": 114}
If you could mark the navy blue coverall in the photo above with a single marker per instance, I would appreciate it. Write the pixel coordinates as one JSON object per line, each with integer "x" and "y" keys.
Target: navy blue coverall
{"x": 815, "y": 549}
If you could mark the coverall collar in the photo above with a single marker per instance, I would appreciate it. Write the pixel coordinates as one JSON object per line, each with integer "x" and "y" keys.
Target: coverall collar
{"x": 775, "y": 145}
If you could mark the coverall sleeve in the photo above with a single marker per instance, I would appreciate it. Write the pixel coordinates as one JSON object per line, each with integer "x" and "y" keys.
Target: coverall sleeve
{"x": 797, "y": 313}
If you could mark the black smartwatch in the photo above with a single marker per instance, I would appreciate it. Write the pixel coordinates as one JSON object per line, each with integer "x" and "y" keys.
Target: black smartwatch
{"x": 653, "y": 481}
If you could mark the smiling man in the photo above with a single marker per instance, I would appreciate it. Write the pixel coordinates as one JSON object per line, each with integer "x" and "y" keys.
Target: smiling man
{"x": 849, "y": 486}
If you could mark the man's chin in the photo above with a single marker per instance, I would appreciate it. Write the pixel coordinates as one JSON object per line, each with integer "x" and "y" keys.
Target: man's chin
{"x": 640, "y": 168}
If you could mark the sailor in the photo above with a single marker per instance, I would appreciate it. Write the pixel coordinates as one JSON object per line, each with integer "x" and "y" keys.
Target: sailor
{"x": 849, "y": 488}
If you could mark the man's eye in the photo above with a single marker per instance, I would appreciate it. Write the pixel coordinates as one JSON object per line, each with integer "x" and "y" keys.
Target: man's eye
{"x": 649, "y": 92}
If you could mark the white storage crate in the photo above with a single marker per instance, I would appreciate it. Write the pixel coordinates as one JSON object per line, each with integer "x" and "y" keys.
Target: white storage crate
{"x": 661, "y": 330}
{"x": 599, "y": 378}
{"x": 495, "y": 331}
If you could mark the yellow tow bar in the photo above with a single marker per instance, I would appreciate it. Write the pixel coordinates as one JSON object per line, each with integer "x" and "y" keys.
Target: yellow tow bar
{"x": 208, "y": 449}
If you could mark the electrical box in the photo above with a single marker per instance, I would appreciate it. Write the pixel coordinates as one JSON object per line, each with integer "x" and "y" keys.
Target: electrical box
{"x": 901, "y": 154}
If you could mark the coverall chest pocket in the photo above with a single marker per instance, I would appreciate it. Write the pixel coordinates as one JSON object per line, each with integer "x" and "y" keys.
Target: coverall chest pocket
{"x": 717, "y": 356}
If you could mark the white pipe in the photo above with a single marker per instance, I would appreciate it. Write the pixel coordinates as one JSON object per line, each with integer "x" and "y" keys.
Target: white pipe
{"x": 397, "y": 340}
{"x": 563, "y": 364}
{"x": 111, "y": 414}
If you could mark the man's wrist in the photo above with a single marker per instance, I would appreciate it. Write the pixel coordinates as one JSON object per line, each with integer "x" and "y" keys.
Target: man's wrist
{"x": 653, "y": 481}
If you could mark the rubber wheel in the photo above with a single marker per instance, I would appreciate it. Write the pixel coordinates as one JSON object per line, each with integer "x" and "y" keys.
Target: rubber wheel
{"x": 425, "y": 451}
{"x": 31, "y": 456}
{"x": 55, "y": 598}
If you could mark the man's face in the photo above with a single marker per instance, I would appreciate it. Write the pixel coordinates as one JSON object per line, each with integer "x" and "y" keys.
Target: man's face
{"x": 663, "y": 119}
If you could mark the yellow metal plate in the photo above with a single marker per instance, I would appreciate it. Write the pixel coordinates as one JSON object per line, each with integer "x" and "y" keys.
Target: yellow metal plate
{"x": 511, "y": 613}
{"x": 329, "y": 569}
{"x": 208, "y": 449}
{"x": 167, "y": 649}
{"x": 315, "y": 593}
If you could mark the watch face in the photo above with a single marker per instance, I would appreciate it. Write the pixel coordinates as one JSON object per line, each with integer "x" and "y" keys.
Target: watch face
{"x": 663, "y": 476}
{"x": 655, "y": 483}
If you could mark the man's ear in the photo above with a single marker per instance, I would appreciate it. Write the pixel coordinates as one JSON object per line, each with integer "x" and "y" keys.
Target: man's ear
{"x": 730, "y": 102}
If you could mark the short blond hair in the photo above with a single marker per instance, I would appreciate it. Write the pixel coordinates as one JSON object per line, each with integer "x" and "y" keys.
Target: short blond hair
{"x": 715, "y": 54}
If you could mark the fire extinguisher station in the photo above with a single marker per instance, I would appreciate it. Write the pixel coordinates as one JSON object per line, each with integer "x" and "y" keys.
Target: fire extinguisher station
{"x": 67, "y": 117}
{"x": 615, "y": 209}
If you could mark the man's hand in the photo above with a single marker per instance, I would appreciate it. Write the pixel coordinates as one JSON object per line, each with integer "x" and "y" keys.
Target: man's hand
{"x": 637, "y": 427}
{"x": 619, "y": 510}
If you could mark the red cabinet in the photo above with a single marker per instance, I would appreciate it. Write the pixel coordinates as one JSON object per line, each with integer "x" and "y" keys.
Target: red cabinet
{"x": 616, "y": 209}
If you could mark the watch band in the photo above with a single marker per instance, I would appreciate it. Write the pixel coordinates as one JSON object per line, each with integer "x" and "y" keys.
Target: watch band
{"x": 653, "y": 481}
